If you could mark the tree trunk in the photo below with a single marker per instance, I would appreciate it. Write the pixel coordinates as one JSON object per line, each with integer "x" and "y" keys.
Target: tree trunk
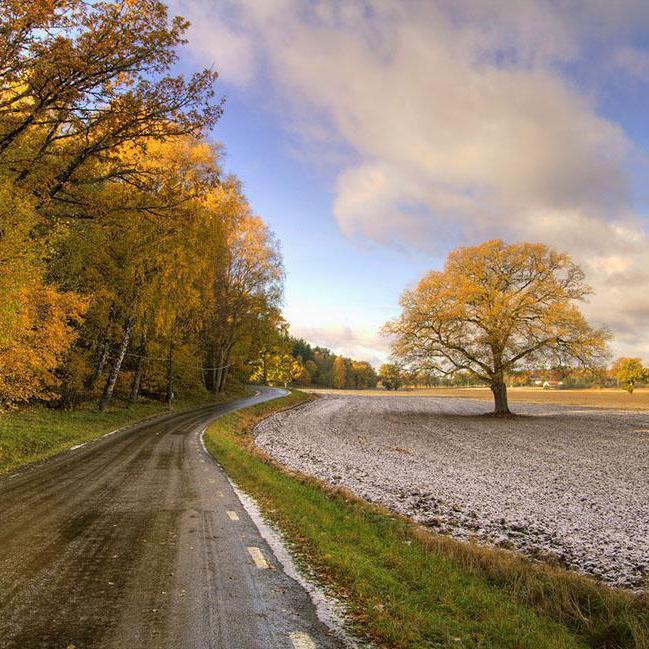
{"x": 225, "y": 367}
{"x": 139, "y": 370}
{"x": 104, "y": 352}
{"x": 99, "y": 368}
{"x": 224, "y": 379}
{"x": 218, "y": 377}
{"x": 499, "y": 390}
{"x": 117, "y": 365}
{"x": 210, "y": 374}
{"x": 170, "y": 376}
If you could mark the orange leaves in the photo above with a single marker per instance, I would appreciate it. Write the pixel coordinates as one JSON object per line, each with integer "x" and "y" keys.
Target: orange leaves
{"x": 82, "y": 79}
{"x": 36, "y": 321}
{"x": 495, "y": 305}
{"x": 628, "y": 372}
{"x": 123, "y": 202}
{"x": 40, "y": 334}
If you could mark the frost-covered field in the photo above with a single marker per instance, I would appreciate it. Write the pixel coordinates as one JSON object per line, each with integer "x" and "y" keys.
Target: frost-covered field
{"x": 565, "y": 481}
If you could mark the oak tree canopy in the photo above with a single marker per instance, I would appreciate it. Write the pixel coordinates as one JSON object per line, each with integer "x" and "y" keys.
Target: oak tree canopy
{"x": 494, "y": 307}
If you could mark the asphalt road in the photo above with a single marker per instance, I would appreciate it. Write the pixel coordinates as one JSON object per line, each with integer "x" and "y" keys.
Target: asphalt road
{"x": 137, "y": 541}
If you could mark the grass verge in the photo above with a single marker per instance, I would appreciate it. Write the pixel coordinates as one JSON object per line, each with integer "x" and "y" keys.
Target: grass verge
{"x": 408, "y": 588}
{"x": 38, "y": 432}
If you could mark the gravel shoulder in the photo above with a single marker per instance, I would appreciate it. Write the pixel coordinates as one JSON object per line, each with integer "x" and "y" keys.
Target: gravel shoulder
{"x": 566, "y": 482}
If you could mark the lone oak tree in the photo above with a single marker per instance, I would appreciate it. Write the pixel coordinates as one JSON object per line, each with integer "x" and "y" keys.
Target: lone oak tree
{"x": 495, "y": 306}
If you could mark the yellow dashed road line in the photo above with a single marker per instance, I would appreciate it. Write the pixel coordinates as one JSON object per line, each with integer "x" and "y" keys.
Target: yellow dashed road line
{"x": 233, "y": 516}
{"x": 301, "y": 640}
{"x": 258, "y": 557}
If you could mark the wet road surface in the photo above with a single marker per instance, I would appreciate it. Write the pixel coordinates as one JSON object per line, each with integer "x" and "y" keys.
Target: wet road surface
{"x": 137, "y": 541}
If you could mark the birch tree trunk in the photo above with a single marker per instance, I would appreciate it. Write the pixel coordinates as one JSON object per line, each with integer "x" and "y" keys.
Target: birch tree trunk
{"x": 224, "y": 367}
{"x": 224, "y": 379}
{"x": 210, "y": 372}
{"x": 139, "y": 370}
{"x": 170, "y": 376}
{"x": 117, "y": 364}
{"x": 99, "y": 368}
{"x": 219, "y": 373}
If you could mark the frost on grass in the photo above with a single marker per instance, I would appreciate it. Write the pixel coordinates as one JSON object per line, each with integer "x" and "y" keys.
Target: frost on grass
{"x": 561, "y": 482}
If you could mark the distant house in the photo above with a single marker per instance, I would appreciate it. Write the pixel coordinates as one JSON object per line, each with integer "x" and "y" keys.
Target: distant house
{"x": 552, "y": 385}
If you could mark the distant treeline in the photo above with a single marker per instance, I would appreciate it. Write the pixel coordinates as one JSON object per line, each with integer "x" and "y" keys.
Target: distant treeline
{"x": 625, "y": 373}
{"x": 320, "y": 367}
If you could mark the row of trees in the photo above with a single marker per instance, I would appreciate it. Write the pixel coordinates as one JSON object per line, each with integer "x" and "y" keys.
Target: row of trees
{"x": 320, "y": 367}
{"x": 625, "y": 373}
{"x": 128, "y": 262}
{"x": 286, "y": 360}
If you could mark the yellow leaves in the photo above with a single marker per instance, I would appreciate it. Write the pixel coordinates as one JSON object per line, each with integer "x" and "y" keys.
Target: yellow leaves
{"x": 339, "y": 373}
{"x": 494, "y": 305}
{"x": 132, "y": 212}
{"x": 629, "y": 372}
{"x": 39, "y": 334}
{"x": 276, "y": 367}
{"x": 36, "y": 321}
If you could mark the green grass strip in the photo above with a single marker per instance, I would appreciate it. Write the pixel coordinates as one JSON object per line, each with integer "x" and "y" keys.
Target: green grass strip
{"x": 408, "y": 588}
{"x": 37, "y": 433}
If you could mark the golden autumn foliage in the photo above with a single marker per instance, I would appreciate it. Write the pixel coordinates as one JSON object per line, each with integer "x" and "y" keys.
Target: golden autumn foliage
{"x": 127, "y": 263}
{"x": 243, "y": 266}
{"x": 629, "y": 372}
{"x": 82, "y": 79}
{"x": 37, "y": 322}
{"x": 493, "y": 307}
{"x": 339, "y": 374}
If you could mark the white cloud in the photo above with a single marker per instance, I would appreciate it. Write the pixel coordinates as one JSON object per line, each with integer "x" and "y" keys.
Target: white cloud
{"x": 219, "y": 43}
{"x": 459, "y": 122}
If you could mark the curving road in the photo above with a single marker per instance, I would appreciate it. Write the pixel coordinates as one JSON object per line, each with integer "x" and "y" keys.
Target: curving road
{"x": 137, "y": 540}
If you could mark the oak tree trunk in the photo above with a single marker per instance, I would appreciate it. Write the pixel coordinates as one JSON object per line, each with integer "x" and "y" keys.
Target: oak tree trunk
{"x": 499, "y": 390}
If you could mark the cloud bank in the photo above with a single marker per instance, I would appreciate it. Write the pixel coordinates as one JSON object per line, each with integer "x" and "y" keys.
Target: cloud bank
{"x": 463, "y": 121}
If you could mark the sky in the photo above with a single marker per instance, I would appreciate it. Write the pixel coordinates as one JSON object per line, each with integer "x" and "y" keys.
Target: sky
{"x": 376, "y": 136}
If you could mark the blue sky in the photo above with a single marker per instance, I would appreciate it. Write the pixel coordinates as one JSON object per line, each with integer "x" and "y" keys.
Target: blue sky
{"x": 376, "y": 136}
{"x": 331, "y": 279}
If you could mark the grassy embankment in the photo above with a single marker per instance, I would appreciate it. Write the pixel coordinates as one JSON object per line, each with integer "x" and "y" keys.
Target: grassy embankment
{"x": 37, "y": 433}
{"x": 591, "y": 398}
{"x": 408, "y": 588}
